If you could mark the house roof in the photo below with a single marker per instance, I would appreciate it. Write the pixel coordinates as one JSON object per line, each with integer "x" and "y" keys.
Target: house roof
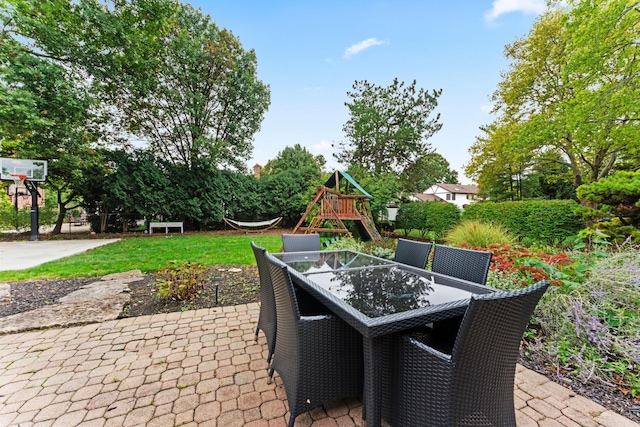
{"x": 331, "y": 182}
{"x": 459, "y": 188}
{"x": 426, "y": 197}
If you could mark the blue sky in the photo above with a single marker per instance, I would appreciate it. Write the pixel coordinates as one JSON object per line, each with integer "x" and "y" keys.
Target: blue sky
{"x": 311, "y": 52}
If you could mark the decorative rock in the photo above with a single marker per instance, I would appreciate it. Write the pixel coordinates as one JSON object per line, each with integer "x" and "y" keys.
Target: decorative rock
{"x": 99, "y": 301}
{"x": 128, "y": 276}
{"x": 75, "y": 313}
{"x": 96, "y": 290}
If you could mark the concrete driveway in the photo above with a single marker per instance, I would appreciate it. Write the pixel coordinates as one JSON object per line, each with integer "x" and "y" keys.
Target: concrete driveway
{"x": 22, "y": 255}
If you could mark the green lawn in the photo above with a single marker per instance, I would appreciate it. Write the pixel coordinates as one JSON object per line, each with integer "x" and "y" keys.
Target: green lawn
{"x": 149, "y": 254}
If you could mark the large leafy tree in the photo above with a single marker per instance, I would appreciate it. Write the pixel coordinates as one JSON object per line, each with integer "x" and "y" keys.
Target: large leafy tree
{"x": 169, "y": 75}
{"x": 46, "y": 113}
{"x": 290, "y": 181}
{"x": 426, "y": 171}
{"x": 297, "y": 158}
{"x": 207, "y": 102}
{"x": 570, "y": 94}
{"x": 388, "y": 127}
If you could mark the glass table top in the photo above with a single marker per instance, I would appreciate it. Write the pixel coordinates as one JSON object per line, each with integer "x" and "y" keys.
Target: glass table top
{"x": 387, "y": 290}
{"x": 315, "y": 262}
{"x": 373, "y": 286}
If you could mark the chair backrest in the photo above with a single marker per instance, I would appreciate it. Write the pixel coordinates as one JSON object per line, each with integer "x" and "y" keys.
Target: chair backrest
{"x": 288, "y": 315}
{"x": 464, "y": 264}
{"x": 487, "y": 346}
{"x": 412, "y": 253}
{"x": 300, "y": 242}
{"x": 267, "y": 321}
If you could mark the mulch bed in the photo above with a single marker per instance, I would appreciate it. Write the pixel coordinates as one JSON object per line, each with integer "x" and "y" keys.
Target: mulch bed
{"x": 223, "y": 285}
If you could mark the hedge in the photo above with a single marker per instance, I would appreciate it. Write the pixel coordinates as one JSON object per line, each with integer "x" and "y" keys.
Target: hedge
{"x": 427, "y": 217}
{"x": 544, "y": 221}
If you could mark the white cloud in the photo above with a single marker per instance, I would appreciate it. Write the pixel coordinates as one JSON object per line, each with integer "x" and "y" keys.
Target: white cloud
{"x": 359, "y": 47}
{"x": 500, "y": 7}
{"x": 313, "y": 89}
{"x": 323, "y": 147}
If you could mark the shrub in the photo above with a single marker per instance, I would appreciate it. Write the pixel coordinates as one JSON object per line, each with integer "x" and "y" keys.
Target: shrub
{"x": 386, "y": 245}
{"x": 543, "y": 221}
{"x": 384, "y": 253}
{"x": 181, "y": 282}
{"x": 591, "y": 332}
{"x": 477, "y": 233}
{"x": 527, "y": 267}
{"x": 433, "y": 218}
{"x": 408, "y": 217}
{"x": 347, "y": 243}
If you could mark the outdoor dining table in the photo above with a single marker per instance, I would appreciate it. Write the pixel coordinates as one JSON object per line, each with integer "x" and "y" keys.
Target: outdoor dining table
{"x": 378, "y": 298}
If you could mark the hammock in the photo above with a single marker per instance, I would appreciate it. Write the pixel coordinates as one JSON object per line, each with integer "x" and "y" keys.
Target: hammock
{"x": 252, "y": 226}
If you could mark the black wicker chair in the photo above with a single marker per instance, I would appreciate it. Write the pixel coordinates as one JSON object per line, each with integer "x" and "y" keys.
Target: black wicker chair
{"x": 319, "y": 358}
{"x": 412, "y": 253}
{"x": 470, "y": 383}
{"x": 267, "y": 318}
{"x": 300, "y": 242}
{"x": 464, "y": 264}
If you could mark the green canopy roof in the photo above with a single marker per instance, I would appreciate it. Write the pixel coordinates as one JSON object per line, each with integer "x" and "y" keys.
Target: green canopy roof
{"x": 331, "y": 182}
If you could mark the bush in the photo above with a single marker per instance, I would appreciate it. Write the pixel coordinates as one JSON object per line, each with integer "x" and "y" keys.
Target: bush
{"x": 384, "y": 246}
{"x": 591, "y": 331}
{"x": 433, "y": 218}
{"x": 347, "y": 243}
{"x": 181, "y": 282}
{"x": 477, "y": 233}
{"x": 21, "y": 220}
{"x": 543, "y": 221}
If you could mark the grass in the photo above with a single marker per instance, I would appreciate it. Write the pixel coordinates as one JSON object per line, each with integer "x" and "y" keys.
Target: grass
{"x": 150, "y": 254}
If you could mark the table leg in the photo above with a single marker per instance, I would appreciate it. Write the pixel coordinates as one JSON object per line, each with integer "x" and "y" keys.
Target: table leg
{"x": 377, "y": 369}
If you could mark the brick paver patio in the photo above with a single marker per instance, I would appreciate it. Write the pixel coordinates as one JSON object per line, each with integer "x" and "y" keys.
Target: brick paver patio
{"x": 197, "y": 368}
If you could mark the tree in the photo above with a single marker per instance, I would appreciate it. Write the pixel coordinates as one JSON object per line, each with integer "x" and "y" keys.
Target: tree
{"x": 290, "y": 181}
{"x": 620, "y": 192}
{"x": 168, "y": 74}
{"x": 207, "y": 102}
{"x": 426, "y": 171}
{"x": 46, "y": 114}
{"x": 570, "y": 95}
{"x": 382, "y": 187}
{"x": 388, "y": 127}
{"x": 496, "y": 165}
{"x": 297, "y": 158}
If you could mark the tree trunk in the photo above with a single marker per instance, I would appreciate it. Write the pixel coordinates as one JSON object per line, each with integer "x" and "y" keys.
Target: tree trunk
{"x": 62, "y": 212}
{"x": 57, "y": 229}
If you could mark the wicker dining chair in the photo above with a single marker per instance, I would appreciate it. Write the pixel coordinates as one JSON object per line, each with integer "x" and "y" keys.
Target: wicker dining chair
{"x": 300, "y": 242}
{"x": 463, "y": 264}
{"x": 267, "y": 321}
{"x": 412, "y": 253}
{"x": 471, "y": 383}
{"x": 267, "y": 317}
{"x": 319, "y": 358}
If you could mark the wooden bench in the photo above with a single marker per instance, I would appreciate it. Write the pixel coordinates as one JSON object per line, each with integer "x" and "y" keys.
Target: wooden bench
{"x": 166, "y": 226}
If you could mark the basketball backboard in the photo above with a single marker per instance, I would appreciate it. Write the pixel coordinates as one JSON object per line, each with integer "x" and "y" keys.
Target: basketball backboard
{"x": 34, "y": 170}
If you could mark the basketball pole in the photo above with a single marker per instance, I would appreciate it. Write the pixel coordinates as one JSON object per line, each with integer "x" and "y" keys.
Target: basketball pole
{"x": 33, "y": 189}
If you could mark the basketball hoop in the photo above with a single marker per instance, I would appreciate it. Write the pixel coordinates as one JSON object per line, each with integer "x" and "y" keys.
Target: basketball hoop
{"x": 18, "y": 179}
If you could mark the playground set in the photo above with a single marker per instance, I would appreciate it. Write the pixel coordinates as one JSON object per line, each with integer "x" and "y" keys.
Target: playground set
{"x": 336, "y": 207}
